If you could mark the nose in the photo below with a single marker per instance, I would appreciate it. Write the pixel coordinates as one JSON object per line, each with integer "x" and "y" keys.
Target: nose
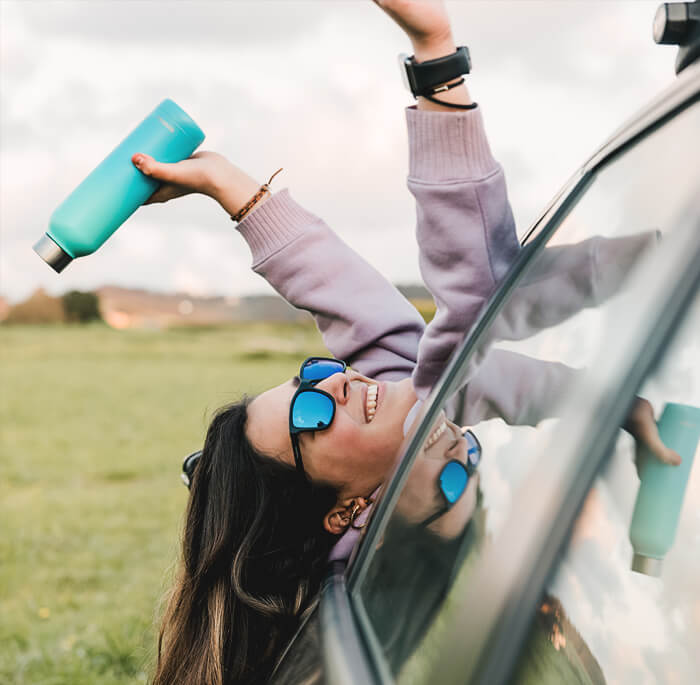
{"x": 337, "y": 385}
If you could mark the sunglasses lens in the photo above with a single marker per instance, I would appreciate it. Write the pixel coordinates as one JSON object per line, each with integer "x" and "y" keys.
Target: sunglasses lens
{"x": 453, "y": 481}
{"x": 312, "y": 410}
{"x": 318, "y": 369}
{"x": 188, "y": 467}
{"x": 473, "y": 450}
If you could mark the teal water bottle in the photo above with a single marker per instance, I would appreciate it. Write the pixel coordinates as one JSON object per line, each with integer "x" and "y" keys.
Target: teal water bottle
{"x": 660, "y": 496}
{"x": 115, "y": 189}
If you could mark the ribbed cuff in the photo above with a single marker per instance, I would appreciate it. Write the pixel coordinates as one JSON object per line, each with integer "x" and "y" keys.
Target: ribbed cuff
{"x": 448, "y": 146}
{"x": 274, "y": 224}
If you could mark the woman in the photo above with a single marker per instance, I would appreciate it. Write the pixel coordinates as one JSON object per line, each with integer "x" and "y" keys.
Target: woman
{"x": 267, "y": 508}
{"x": 258, "y": 536}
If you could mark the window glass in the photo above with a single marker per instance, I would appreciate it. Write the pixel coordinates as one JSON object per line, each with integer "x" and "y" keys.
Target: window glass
{"x": 523, "y": 370}
{"x": 624, "y": 604}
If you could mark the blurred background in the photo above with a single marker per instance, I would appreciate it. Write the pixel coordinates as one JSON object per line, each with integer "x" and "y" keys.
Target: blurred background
{"x": 109, "y": 372}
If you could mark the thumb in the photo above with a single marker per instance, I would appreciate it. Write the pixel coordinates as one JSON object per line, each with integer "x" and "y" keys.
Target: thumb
{"x": 158, "y": 170}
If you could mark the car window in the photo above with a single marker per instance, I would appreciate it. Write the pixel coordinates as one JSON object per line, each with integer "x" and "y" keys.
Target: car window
{"x": 624, "y": 603}
{"x": 523, "y": 370}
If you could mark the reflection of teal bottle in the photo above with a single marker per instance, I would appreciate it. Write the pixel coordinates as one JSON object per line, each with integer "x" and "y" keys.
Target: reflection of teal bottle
{"x": 660, "y": 496}
{"x": 116, "y": 188}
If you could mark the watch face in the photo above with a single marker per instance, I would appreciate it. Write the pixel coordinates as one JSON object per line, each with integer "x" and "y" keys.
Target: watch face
{"x": 404, "y": 59}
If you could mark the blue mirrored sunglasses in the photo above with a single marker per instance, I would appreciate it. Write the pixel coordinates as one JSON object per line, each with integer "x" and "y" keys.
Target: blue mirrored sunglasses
{"x": 454, "y": 477}
{"x": 312, "y": 409}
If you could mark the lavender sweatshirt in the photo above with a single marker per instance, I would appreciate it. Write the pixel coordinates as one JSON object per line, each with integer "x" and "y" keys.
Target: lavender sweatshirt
{"x": 467, "y": 241}
{"x": 466, "y": 238}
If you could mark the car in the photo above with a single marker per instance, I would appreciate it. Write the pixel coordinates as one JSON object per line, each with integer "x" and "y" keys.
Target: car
{"x": 542, "y": 578}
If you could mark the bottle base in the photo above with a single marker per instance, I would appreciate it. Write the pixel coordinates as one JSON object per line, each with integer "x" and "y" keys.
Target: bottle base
{"x": 649, "y": 566}
{"x": 54, "y": 255}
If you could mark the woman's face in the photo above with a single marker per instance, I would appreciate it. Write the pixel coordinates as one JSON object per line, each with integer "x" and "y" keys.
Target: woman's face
{"x": 420, "y": 495}
{"x": 357, "y": 451}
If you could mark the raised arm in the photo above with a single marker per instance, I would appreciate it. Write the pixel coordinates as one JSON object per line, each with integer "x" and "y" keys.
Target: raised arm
{"x": 362, "y": 317}
{"x": 465, "y": 231}
{"x": 465, "y": 228}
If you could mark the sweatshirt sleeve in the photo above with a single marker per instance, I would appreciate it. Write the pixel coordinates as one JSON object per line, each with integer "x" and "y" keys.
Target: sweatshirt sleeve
{"x": 363, "y": 319}
{"x": 519, "y": 389}
{"x": 566, "y": 279}
{"x": 465, "y": 228}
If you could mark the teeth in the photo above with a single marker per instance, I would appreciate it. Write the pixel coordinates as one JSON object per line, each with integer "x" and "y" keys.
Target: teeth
{"x": 435, "y": 435}
{"x": 371, "y": 401}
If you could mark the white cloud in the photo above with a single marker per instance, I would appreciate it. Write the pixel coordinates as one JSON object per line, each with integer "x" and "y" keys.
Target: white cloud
{"x": 310, "y": 86}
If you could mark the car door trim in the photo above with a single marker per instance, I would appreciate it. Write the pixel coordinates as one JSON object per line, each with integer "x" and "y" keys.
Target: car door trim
{"x": 344, "y": 656}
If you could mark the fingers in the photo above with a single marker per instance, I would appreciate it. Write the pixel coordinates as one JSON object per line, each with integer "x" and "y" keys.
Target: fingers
{"x": 664, "y": 454}
{"x": 150, "y": 167}
{"x": 158, "y": 196}
{"x": 642, "y": 426}
{"x": 650, "y": 439}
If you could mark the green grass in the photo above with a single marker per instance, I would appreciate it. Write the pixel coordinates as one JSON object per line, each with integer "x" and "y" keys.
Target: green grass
{"x": 93, "y": 426}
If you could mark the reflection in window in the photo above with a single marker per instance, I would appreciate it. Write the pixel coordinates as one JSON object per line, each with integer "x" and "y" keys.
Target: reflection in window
{"x": 524, "y": 370}
{"x": 641, "y": 627}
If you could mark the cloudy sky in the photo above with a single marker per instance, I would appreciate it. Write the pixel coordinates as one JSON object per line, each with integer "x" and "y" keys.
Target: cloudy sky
{"x": 311, "y": 86}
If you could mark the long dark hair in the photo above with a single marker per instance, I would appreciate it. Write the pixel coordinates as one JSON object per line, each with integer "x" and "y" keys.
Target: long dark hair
{"x": 254, "y": 551}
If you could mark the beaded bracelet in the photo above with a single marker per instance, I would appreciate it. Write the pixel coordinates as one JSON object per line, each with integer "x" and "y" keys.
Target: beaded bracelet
{"x": 264, "y": 188}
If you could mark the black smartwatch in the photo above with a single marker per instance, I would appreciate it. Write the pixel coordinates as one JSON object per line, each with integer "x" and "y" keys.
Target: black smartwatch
{"x": 422, "y": 78}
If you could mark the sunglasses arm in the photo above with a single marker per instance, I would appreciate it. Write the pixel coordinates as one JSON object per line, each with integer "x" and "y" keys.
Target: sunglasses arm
{"x": 434, "y": 517}
{"x": 297, "y": 454}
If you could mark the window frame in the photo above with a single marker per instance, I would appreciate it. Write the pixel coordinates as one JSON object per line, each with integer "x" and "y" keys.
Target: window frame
{"x": 496, "y": 649}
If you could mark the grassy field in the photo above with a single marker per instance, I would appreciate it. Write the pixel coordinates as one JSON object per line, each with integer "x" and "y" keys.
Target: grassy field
{"x": 94, "y": 424}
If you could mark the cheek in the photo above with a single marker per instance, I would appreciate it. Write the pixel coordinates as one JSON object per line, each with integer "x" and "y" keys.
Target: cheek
{"x": 420, "y": 496}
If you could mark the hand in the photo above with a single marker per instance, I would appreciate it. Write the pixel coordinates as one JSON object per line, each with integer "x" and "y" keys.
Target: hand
{"x": 641, "y": 425}
{"x": 208, "y": 173}
{"x": 193, "y": 175}
{"x": 425, "y": 22}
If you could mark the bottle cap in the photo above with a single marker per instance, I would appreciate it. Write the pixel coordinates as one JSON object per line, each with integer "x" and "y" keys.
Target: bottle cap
{"x": 54, "y": 255}
{"x": 650, "y": 566}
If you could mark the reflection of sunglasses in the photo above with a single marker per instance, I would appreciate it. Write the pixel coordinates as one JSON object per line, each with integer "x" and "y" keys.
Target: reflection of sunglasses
{"x": 312, "y": 409}
{"x": 454, "y": 476}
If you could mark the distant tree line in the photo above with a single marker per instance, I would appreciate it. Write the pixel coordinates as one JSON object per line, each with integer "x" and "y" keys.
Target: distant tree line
{"x": 74, "y": 307}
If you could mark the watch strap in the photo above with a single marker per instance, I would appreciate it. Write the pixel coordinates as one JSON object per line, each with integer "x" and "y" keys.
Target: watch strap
{"x": 424, "y": 76}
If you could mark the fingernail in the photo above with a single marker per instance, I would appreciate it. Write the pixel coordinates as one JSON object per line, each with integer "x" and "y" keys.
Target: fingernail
{"x": 138, "y": 159}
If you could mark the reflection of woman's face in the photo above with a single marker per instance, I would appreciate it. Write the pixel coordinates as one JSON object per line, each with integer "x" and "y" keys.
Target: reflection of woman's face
{"x": 421, "y": 496}
{"x": 357, "y": 451}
